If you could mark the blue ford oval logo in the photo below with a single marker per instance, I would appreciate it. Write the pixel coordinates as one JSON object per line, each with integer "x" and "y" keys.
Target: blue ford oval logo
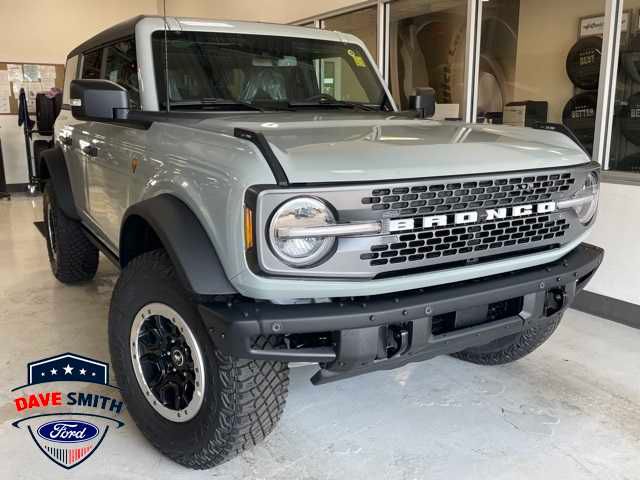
{"x": 68, "y": 431}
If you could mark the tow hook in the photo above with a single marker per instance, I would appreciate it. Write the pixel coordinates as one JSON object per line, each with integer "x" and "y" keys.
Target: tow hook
{"x": 556, "y": 299}
{"x": 401, "y": 337}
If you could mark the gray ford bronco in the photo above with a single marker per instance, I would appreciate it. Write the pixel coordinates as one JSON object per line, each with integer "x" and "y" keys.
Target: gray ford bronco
{"x": 268, "y": 203}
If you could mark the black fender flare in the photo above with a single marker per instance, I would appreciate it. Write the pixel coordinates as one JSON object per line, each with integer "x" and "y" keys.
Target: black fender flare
{"x": 56, "y": 170}
{"x": 181, "y": 234}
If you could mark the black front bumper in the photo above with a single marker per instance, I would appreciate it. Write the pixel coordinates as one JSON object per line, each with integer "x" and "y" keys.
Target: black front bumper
{"x": 357, "y": 325}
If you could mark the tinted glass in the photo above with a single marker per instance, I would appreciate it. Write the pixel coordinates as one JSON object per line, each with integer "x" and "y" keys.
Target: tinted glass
{"x": 92, "y": 64}
{"x": 121, "y": 68}
{"x": 427, "y": 41}
{"x": 540, "y": 62}
{"x": 262, "y": 70}
{"x": 625, "y": 135}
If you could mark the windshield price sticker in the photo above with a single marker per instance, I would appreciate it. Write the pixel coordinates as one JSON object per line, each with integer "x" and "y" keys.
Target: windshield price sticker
{"x": 357, "y": 59}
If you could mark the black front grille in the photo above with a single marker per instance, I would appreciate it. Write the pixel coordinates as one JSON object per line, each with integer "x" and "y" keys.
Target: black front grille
{"x": 433, "y": 243}
{"x": 468, "y": 195}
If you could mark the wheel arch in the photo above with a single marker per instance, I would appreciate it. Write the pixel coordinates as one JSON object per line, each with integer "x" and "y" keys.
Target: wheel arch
{"x": 53, "y": 168}
{"x": 164, "y": 221}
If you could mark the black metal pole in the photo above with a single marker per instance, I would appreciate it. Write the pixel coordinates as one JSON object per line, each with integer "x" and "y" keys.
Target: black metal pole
{"x": 4, "y": 193}
{"x": 27, "y": 137}
{"x": 27, "y": 140}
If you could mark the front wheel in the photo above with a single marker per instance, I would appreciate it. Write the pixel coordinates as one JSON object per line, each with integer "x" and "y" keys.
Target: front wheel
{"x": 513, "y": 347}
{"x": 195, "y": 404}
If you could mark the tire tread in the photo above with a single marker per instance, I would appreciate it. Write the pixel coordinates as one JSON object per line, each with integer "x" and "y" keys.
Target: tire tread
{"x": 77, "y": 258}
{"x": 515, "y": 349}
{"x": 251, "y": 393}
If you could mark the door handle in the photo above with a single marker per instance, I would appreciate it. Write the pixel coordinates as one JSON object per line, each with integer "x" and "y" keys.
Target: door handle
{"x": 65, "y": 140}
{"x": 90, "y": 150}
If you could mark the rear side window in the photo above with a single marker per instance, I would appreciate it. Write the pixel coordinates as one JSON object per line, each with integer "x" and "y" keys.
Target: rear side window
{"x": 121, "y": 67}
{"x": 92, "y": 64}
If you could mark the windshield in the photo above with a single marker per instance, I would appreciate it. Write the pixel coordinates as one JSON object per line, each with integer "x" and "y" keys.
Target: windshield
{"x": 215, "y": 70}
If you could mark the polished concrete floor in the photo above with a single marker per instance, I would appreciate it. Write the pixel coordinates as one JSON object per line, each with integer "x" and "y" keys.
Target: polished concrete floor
{"x": 571, "y": 410}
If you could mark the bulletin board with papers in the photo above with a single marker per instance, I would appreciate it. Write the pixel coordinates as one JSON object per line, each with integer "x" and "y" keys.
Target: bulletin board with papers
{"x": 33, "y": 77}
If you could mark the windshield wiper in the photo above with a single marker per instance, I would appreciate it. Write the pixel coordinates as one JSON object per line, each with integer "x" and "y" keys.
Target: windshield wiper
{"x": 211, "y": 103}
{"x": 332, "y": 103}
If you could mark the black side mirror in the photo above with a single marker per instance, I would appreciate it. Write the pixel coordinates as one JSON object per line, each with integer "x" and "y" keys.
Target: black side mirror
{"x": 101, "y": 100}
{"x": 423, "y": 102}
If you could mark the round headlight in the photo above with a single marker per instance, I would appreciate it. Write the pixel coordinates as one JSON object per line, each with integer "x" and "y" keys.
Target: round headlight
{"x": 590, "y": 192}
{"x": 301, "y": 212}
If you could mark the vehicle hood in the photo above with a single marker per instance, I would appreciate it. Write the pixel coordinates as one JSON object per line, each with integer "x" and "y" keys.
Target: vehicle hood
{"x": 345, "y": 147}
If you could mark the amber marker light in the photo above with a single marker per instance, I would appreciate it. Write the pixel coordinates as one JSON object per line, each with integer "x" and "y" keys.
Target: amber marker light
{"x": 248, "y": 228}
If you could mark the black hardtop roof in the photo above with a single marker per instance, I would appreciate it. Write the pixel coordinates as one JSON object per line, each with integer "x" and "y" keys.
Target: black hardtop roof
{"x": 116, "y": 32}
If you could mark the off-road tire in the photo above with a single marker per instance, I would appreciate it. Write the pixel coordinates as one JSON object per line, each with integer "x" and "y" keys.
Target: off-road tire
{"x": 243, "y": 399}
{"x": 513, "y": 347}
{"x": 74, "y": 258}
{"x": 39, "y": 146}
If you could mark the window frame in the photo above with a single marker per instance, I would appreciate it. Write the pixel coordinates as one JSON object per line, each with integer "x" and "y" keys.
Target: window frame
{"x": 159, "y": 79}
{"x": 103, "y": 60}
{"x": 66, "y": 86}
{"x": 80, "y": 74}
{"x": 105, "y": 56}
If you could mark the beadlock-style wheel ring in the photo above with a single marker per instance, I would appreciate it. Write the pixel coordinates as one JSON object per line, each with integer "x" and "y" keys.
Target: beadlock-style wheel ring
{"x": 51, "y": 234}
{"x": 167, "y": 362}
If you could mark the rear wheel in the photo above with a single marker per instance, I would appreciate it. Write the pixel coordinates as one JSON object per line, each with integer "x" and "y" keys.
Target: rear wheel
{"x": 73, "y": 258}
{"x": 513, "y": 347}
{"x": 195, "y": 404}
{"x": 39, "y": 146}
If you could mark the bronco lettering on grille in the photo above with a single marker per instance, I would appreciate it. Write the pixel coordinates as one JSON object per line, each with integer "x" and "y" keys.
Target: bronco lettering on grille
{"x": 462, "y": 218}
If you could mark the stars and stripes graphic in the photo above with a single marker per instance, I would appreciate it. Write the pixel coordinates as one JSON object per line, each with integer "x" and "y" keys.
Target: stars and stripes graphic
{"x": 68, "y": 367}
{"x": 67, "y": 438}
{"x": 68, "y": 456}
{"x": 69, "y": 451}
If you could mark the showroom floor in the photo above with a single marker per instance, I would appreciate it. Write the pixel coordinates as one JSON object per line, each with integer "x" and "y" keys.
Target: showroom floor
{"x": 570, "y": 410}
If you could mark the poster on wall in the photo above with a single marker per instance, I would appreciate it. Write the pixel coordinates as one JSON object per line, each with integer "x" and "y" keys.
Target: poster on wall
{"x": 47, "y": 72}
{"x": 31, "y": 73}
{"x": 5, "y": 92}
{"x": 15, "y": 87}
{"x": 33, "y": 78}
{"x": 15, "y": 72}
{"x": 595, "y": 25}
{"x": 31, "y": 89}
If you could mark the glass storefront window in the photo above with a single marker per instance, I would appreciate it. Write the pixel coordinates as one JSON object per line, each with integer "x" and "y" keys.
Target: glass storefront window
{"x": 625, "y": 137}
{"x": 427, "y": 42}
{"x": 361, "y": 23}
{"x": 540, "y": 62}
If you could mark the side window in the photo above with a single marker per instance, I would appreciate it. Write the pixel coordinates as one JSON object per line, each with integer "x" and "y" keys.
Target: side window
{"x": 121, "y": 67}
{"x": 70, "y": 72}
{"x": 92, "y": 64}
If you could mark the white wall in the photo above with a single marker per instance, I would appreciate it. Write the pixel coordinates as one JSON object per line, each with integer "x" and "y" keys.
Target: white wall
{"x": 46, "y": 30}
{"x": 13, "y": 150}
{"x": 617, "y": 230}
